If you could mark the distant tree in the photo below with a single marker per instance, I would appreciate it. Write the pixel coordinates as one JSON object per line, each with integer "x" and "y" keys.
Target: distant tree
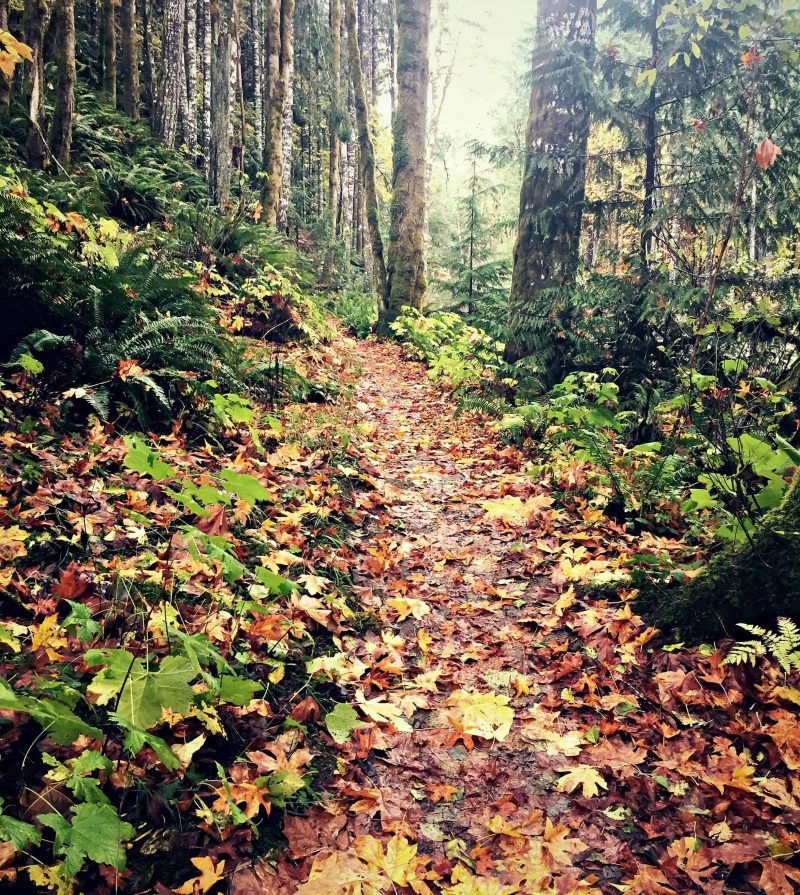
{"x": 366, "y": 149}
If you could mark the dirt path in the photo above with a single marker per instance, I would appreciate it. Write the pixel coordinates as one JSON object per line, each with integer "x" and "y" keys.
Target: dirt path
{"x": 517, "y": 739}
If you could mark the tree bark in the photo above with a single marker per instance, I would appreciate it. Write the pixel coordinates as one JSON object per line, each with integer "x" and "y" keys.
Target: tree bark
{"x": 190, "y": 46}
{"x": 110, "y": 50}
{"x": 172, "y": 86}
{"x": 280, "y": 62}
{"x": 547, "y": 249}
{"x": 147, "y": 58}
{"x": 366, "y": 151}
{"x": 288, "y": 143}
{"x": 257, "y": 36}
{"x": 754, "y": 585}
{"x": 5, "y": 81}
{"x": 130, "y": 58}
{"x": 207, "y": 78}
{"x": 34, "y": 17}
{"x": 220, "y": 145}
{"x": 406, "y": 281}
{"x": 334, "y": 136}
{"x": 651, "y": 146}
{"x": 64, "y": 109}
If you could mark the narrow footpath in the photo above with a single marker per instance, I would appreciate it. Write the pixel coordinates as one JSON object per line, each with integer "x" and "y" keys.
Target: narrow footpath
{"x": 518, "y": 738}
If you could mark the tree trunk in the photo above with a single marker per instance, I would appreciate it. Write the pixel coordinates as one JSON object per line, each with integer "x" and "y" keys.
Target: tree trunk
{"x": 334, "y": 141}
{"x": 190, "y": 46}
{"x": 257, "y": 37}
{"x": 280, "y": 63}
{"x": 207, "y": 78}
{"x": 220, "y": 145}
{"x": 147, "y": 58}
{"x": 754, "y": 585}
{"x": 406, "y": 282}
{"x": 547, "y": 249}
{"x": 651, "y": 146}
{"x": 64, "y": 109}
{"x": 34, "y": 16}
{"x": 288, "y": 143}
{"x": 130, "y": 58}
{"x": 110, "y": 50}
{"x": 5, "y": 81}
{"x": 172, "y": 85}
{"x": 366, "y": 151}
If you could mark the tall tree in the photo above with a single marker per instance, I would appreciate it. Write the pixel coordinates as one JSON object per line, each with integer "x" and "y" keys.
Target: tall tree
{"x": 64, "y": 108}
{"x": 334, "y": 132}
{"x": 147, "y": 86}
{"x": 219, "y": 162}
{"x": 406, "y": 282}
{"x": 5, "y": 80}
{"x": 207, "y": 78}
{"x": 366, "y": 151}
{"x": 190, "y": 46}
{"x": 172, "y": 84}
{"x": 34, "y": 17}
{"x": 551, "y": 201}
{"x": 110, "y": 49}
{"x": 129, "y": 45}
{"x": 280, "y": 60}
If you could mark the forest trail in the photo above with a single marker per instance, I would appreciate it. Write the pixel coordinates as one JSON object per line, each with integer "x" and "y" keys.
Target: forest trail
{"x": 518, "y": 738}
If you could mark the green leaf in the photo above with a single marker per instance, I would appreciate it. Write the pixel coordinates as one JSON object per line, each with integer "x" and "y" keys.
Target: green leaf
{"x": 57, "y": 720}
{"x": 593, "y": 734}
{"x": 30, "y": 364}
{"x": 341, "y": 722}
{"x": 246, "y": 487}
{"x": 80, "y": 623}
{"x": 273, "y": 582}
{"x": 143, "y": 693}
{"x": 95, "y": 832}
{"x": 17, "y": 832}
{"x": 648, "y": 77}
{"x": 237, "y": 690}
{"x": 136, "y": 740}
{"x": 146, "y": 461}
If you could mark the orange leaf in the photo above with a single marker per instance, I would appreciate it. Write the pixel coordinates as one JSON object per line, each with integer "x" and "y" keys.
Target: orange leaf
{"x": 766, "y": 153}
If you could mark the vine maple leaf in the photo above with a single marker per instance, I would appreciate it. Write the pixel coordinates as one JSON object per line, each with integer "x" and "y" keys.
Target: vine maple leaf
{"x": 210, "y": 874}
{"x": 485, "y": 715}
{"x": 585, "y": 776}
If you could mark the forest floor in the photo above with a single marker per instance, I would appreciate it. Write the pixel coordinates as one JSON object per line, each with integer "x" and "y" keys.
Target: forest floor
{"x": 553, "y": 745}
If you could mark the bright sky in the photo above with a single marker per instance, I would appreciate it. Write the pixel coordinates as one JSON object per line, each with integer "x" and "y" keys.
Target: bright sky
{"x": 489, "y": 34}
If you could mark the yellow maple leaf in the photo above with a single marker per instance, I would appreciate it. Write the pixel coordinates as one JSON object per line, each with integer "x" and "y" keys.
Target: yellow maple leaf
{"x": 11, "y": 543}
{"x": 485, "y": 715}
{"x": 48, "y": 636}
{"x": 586, "y": 777}
{"x": 464, "y": 882}
{"x": 405, "y": 606}
{"x": 210, "y": 874}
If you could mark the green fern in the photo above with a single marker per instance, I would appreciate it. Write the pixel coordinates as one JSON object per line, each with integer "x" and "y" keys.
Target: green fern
{"x": 782, "y": 645}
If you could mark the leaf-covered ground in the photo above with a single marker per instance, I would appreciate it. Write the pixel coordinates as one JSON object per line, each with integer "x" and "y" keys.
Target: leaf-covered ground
{"x": 374, "y": 600}
{"x": 514, "y": 737}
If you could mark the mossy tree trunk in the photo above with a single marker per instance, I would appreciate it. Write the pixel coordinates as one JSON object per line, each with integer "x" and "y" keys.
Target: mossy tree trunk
{"x": 64, "y": 109}
{"x": 366, "y": 151}
{"x": 334, "y": 132}
{"x": 5, "y": 81}
{"x": 129, "y": 45}
{"x": 219, "y": 164}
{"x": 110, "y": 50}
{"x": 405, "y": 275}
{"x": 280, "y": 63}
{"x": 172, "y": 84}
{"x": 35, "y": 16}
{"x": 547, "y": 249}
{"x": 756, "y": 584}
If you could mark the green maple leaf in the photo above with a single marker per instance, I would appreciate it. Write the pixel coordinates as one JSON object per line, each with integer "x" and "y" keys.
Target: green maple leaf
{"x": 341, "y": 722}
{"x": 59, "y": 722}
{"x": 146, "y": 461}
{"x": 142, "y": 692}
{"x": 95, "y": 832}
{"x": 246, "y": 487}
